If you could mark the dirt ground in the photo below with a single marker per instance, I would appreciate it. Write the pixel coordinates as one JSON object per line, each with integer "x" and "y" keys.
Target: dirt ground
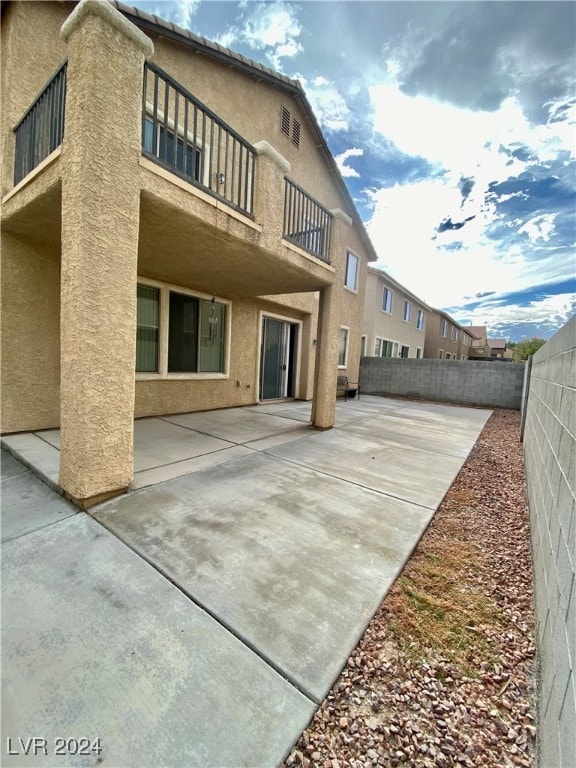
{"x": 445, "y": 673}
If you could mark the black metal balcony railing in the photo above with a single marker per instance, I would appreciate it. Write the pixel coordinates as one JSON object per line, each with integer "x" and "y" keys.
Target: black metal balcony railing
{"x": 182, "y": 134}
{"x": 306, "y": 222}
{"x": 41, "y": 129}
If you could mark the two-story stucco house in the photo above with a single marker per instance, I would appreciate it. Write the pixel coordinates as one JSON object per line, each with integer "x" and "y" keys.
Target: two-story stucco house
{"x": 444, "y": 340}
{"x": 175, "y": 235}
{"x": 394, "y": 318}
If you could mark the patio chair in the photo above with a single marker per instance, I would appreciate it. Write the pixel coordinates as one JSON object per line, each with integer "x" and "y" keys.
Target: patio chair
{"x": 344, "y": 387}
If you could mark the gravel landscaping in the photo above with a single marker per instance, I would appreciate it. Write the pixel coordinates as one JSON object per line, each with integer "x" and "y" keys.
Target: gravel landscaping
{"x": 444, "y": 675}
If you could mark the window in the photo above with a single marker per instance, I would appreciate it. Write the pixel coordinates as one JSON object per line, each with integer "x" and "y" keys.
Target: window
{"x": 444, "y": 328}
{"x": 363, "y": 346}
{"x": 147, "y": 326}
{"x": 404, "y": 351}
{"x": 420, "y": 320}
{"x": 407, "y": 311}
{"x": 418, "y": 353}
{"x": 454, "y": 333}
{"x": 188, "y": 162}
{"x": 386, "y": 348}
{"x": 387, "y": 296}
{"x": 441, "y": 354}
{"x": 194, "y": 336}
{"x": 343, "y": 353}
{"x": 351, "y": 279}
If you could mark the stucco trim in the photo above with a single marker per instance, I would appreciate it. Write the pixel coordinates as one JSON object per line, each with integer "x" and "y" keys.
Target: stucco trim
{"x": 172, "y": 178}
{"x": 264, "y": 148}
{"x": 338, "y": 213}
{"x": 116, "y": 20}
{"x": 34, "y": 173}
{"x": 306, "y": 255}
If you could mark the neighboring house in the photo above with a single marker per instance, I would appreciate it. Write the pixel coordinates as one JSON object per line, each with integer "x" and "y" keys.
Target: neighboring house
{"x": 444, "y": 339}
{"x": 175, "y": 235}
{"x": 465, "y": 343}
{"x": 499, "y": 349}
{"x": 394, "y": 319}
{"x": 480, "y": 347}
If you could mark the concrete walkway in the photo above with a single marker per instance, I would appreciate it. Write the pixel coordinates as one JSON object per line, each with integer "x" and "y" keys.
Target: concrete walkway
{"x": 200, "y": 619}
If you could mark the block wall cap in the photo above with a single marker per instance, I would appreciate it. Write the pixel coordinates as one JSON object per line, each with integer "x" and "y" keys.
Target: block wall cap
{"x": 263, "y": 148}
{"x": 338, "y": 213}
{"x": 103, "y": 9}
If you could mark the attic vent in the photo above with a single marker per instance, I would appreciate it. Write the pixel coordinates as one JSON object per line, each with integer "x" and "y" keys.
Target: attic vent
{"x": 296, "y": 132}
{"x": 285, "y": 121}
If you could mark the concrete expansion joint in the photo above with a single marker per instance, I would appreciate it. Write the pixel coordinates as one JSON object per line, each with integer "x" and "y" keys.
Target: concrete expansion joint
{"x": 103, "y": 9}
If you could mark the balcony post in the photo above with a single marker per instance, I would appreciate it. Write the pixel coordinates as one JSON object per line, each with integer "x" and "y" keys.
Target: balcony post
{"x": 269, "y": 193}
{"x": 329, "y": 319}
{"x": 100, "y": 222}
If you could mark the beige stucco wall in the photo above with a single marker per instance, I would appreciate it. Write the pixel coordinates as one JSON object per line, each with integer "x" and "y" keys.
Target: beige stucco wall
{"x": 30, "y": 335}
{"x": 155, "y": 396}
{"x": 391, "y": 326}
{"x": 436, "y": 342}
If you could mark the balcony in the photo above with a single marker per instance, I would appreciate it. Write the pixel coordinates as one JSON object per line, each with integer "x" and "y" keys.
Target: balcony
{"x": 41, "y": 130}
{"x": 306, "y": 222}
{"x": 188, "y": 139}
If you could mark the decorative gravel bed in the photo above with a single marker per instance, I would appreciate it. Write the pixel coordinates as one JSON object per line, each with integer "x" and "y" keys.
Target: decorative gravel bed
{"x": 444, "y": 675}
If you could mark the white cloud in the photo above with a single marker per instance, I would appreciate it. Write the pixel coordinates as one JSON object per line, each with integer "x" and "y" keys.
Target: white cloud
{"x": 539, "y": 228}
{"x": 402, "y": 226}
{"x": 274, "y": 29}
{"x": 186, "y": 11}
{"x": 328, "y": 104}
{"x": 344, "y": 169}
{"x": 549, "y": 310}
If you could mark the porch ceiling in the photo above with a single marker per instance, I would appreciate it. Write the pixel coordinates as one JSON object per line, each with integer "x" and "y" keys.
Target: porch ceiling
{"x": 184, "y": 248}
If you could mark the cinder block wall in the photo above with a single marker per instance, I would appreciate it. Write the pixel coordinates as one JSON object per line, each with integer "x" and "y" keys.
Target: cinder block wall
{"x": 550, "y": 458}
{"x": 467, "y": 382}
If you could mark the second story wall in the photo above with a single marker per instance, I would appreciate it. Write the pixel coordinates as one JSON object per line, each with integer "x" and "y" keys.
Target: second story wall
{"x": 395, "y": 321}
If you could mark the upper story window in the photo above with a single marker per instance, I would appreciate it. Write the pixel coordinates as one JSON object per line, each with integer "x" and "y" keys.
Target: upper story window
{"x": 387, "y": 296}
{"x": 444, "y": 328}
{"x": 290, "y": 126}
{"x": 420, "y": 320}
{"x": 407, "y": 311}
{"x": 454, "y": 333}
{"x": 351, "y": 277}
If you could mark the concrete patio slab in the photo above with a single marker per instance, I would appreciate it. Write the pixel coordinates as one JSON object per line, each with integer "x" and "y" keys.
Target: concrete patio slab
{"x": 27, "y": 502}
{"x": 271, "y": 549}
{"x": 178, "y": 468}
{"x": 294, "y": 562}
{"x": 36, "y": 453}
{"x": 158, "y": 442}
{"x": 237, "y": 425}
{"x": 96, "y": 644}
{"x": 425, "y": 434}
{"x": 394, "y": 468}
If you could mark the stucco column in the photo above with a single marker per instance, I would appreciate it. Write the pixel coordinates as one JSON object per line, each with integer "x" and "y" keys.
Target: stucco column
{"x": 100, "y": 220}
{"x": 269, "y": 193}
{"x": 329, "y": 320}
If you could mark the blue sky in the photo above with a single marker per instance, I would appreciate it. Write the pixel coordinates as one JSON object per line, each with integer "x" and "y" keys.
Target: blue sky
{"x": 454, "y": 126}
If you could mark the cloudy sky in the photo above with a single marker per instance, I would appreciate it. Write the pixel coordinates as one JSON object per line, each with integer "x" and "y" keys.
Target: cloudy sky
{"x": 454, "y": 126}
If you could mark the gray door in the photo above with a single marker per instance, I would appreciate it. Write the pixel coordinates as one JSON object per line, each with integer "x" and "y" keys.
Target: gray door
{"x": 277, "y": 354}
